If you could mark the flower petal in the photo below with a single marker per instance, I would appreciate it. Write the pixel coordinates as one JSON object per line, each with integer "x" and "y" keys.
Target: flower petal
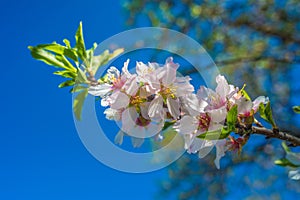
{"x": 119, "y": 138}
{"x": 100, "y": 90}
{"x": 156, "y": 108}
{"x": 137, "y": 142}
{"x": 220, "y": 152}
{"x": 258, "y": 101}
{"x": 173, "y": 107}
{"x": 119, "y": 100}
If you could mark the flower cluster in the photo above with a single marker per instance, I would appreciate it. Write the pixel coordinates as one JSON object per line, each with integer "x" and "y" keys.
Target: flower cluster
{"x": 145, "y": 100}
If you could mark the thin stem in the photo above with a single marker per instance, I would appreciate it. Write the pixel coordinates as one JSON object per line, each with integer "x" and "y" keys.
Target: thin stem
{"x": 276, "y": 134}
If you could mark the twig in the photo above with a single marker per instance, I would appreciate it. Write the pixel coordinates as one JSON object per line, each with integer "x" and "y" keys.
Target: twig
{"x": 274, "y": 134}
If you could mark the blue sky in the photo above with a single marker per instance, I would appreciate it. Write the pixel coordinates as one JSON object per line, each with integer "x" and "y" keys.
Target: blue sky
{"x": 42, "y": 156}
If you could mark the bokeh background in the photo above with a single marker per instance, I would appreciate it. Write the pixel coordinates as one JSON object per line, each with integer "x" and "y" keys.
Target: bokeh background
{"x": 42, "y": 157}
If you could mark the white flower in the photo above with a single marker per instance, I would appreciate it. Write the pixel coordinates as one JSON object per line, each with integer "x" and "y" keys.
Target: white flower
{"x": 247, "y": 108}
{"x": 219, "y": 98}
{"x": 170, "y": 89}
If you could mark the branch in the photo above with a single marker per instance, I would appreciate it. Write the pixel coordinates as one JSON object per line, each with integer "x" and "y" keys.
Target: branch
{"x": 276, "y": 134}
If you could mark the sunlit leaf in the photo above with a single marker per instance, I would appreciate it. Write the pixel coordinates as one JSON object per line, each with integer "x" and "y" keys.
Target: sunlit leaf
{"x": 284, "y": 162}
{"x": 266, "y": 113}
{"x": 78, "y": 103}
{"x": 80, "y": 46}
{"x": 66, "y": 74}
{"x": 296, "y": 109}
{"x": 67, "y": 83}
{"x": 46, "y": 57}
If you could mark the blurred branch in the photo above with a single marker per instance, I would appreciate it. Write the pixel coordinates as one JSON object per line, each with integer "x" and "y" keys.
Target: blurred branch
{"x": 276, "y": 134}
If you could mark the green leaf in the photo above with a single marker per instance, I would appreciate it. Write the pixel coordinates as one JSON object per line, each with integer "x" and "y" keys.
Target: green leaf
{"x": 77, "y": 88}
{"x": 81, "y": 77}
{"x": 168, "y": 124}
{"x": 214, "y": 135}
{"x": 67, "y": 43}
{"x": 285, "y": 147}
{"x": 80, "y": 46}
{"x": 67, "y": 83}
{"x": 284, "y": 162}
{"x": 296, "y": 109}
{"x": 67, "y": 64}
{"x": 46, "y": 57}
{"x": 266, "y": 113}
{"x": 244, "y": 93}
{"x": 225, "y": 131}
{"x": 59, "y": 49}
{"x": 231, "y": 118}
{"x": 66, "y": 74}
{"x": 78, "y": 103}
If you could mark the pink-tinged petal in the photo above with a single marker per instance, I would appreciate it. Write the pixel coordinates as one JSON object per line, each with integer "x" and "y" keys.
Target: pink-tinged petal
{"x": 100, "y": 90}
{"x": 183, "y": 86}
{"x": 170, "y": 74}
{"x": 119, "y": 100}
{"x": 244, "y": 106}
{"x": 220, "y": 152}
{"x": 153, "y": 128}
{"x": 125, "y": 71}
{"x": 137, "y": 142}
{"x": 259, "y": 100}
{"x": 119, "y": 138}
{"x": 222, "y": 88}
{"x": 156, "y": 108}
{"x": 113, "y": 73}
{"x": 218, "y": 115}
{"x": 141, "y": 68}
{"x": 144, "y": 107}
{"x": 188, "y": 140}
{"x": 205, "y": 148}
{"x": 215, "y": 127}
{"x": 129, "y": 117}
{"x": 187, "y": 125}
{"x": 173, "y": 107}
{"x": 131, "y": 86}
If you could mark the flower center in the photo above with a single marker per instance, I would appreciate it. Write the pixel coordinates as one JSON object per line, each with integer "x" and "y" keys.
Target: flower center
{"x": 141, "y": 121}
{"x": 136, "y": 100}
{"x": 203, "y": 121}
{"x": 117, "y": 83}
{"x": 166, "y": 92}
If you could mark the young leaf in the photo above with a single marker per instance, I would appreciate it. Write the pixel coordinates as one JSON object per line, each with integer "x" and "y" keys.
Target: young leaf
{"x": 78, "y": 103}
{"x": 285, "y": 147}
{"x": 232, "y": 118}
{"x": 46, "y": 57}
{"x": 284, "y": 162}
{"x": 296, "y": 109}
{"x": 60, "y": 50}
{"x": 225, "y": 131}
{"x": 266, "y": 113}
{"x": 81, "y": 77}
{"x": 80, "y": 46}
{"x": 67, "y": 83}
{"x": 66, "y": 74}
{"x": 214, "y": 135}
